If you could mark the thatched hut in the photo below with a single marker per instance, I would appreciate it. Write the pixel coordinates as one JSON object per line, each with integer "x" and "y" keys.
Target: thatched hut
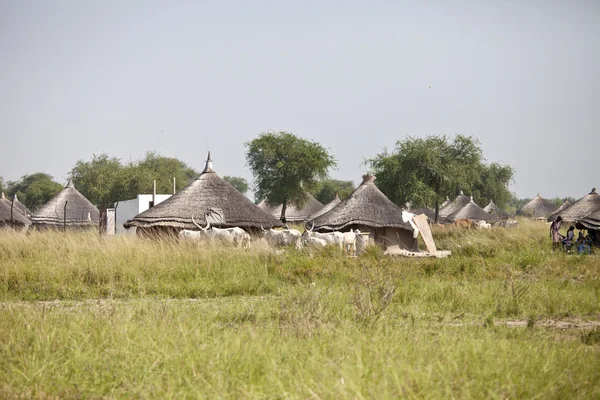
{"x": 326, "y": 208}
{"x": 459, "y": 202}
{"x": 15, "y": 219}
{"x": 369, "y": 210}
{"x": 207, "y": 191}
{"x": 24, "y": 210}
{"x": 293, "y": 213}
{"x": 68, "y": 209}
{"x": 537, "y": 208}
{"x": 579, "y": 209}
{"x": 495, "y": 211}
{"x": 470, "y": 212}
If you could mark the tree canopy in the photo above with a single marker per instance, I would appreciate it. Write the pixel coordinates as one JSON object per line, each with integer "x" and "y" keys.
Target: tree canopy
{"x": 325, "y": 190}
{"x": 285, "y": 167}
{"x": 423, "y": 171}
{"x": 237, "y": 182}
{"x": 105, "y": 180}
{"x": 34, "y": 190}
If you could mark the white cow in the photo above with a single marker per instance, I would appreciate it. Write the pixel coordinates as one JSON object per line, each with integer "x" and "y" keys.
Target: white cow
{"x": 283, "y": 238}
{"x": 331, "y": 238}
{"x": 480, "y": 224}
{"x": 236, "y": 236}
{"x": 310, "y": 242}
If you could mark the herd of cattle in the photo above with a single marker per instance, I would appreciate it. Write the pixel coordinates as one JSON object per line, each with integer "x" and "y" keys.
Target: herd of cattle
{"x": 238, "y": 237}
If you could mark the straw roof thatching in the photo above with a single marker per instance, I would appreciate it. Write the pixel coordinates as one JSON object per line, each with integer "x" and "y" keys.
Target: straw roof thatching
{"x": 24, "y": 210}
{"x": 538, "y": 207}
{"x": 459, "y": 202}
{"x": 292, "y": 213}
{"x": 366, "y": 206}
{"x": 470, "y": 211}
{"x": 326, "y": 208}
{"x": 591, "y": 221}
{"x": 564, "y": 205}
{"x": 495, "y": 211}
{"x": 579, "y": 209}
{"x": 445, "y": 203}
{"x": 79, "y": 212}
{"x": 17, "y": 217}
{"x": 207, "y": 191}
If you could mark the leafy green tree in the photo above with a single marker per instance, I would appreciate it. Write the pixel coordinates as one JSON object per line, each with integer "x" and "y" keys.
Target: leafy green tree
{"x": 426, "y": 170}
{"x": 95, "y": 178}
{"x": 492, "y": 184}
{"x": 237, "y": 182}
{"x": 325, "y": 190}
{"x": 286, "y": 166}
{"x": 34, "y": 190}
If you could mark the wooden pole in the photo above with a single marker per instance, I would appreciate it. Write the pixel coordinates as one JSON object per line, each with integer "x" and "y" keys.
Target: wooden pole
{"x": 65, "y": 216}
{"x": 174, "y": 186}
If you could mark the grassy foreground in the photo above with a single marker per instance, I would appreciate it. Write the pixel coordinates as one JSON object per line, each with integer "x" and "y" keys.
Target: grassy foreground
{"x": 504, "y": 317}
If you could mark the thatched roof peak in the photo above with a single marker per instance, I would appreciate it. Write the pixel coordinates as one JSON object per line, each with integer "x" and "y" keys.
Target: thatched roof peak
{"x": 17, "y": 217}
{"x": 368, "y": 179}
{"x": 70, "y": 184}
{"x": 459, "y": 202}
{"x": 538, "y": 207}
{"x": 21, "y": 206}
{"x": 495, "y": 211}
{"x": 470, "y": 211}
{"x": 207, "y": 191}
{"x": 79, "y": 210}
{"x": 366, "y": 206}
{"x": 586, "y": 205}
{"x": 209, "y": 165}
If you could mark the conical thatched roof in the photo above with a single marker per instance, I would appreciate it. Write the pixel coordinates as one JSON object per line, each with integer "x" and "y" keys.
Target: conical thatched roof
{"x": 207, "y": 191}
{"x": 8, "y": 203}
{"x": 80, "y": 212}
{"x": 564, "y": 205}
{"x": 459, "y": 202}
{"x": 470, "y": 211}
{"x": 17, "y": 216}
{"x": 495, "y": 211}
{"x": 326, "y": 208}
{"x": 366, "y": 206}
{"x": 579, "y": 209}
{"x": 538, "y": 207}
{"x": 292, "y": 213}
{"x": 24, "y": 210}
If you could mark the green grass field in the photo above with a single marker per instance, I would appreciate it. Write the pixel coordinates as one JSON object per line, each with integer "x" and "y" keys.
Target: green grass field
{"x": 504, "y": 317}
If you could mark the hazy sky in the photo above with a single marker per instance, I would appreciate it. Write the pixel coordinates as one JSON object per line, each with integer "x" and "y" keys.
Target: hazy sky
{"x": 181, "y": 77}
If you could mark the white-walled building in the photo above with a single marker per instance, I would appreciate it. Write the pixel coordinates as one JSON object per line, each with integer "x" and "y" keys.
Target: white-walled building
{"x": 128, "y": 209}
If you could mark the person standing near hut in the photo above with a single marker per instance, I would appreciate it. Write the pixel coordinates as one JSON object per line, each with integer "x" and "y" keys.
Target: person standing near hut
{"x": 555, "y": 234}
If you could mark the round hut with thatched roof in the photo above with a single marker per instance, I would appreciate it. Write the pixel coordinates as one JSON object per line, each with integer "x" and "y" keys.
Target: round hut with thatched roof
{"x": 11, "y": 216}
{"x": 293, "y": 213}
{"x": 579, "y": 209}
{"x": 496, "y": 212}
{"x": 537, "y": 208}
{"x": 229, "y": 208}
{"x": 470, "y": 212}
{"x": 69, "y": 209}
{"x": 336, "y": 200}
{"x": 450, "y": 207}
{"x": 368, "y": 210}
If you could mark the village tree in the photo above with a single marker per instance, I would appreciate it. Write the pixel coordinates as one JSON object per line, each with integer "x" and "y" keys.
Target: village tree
{"x": 237, "y": 182}
{"x": 325, "y": 190}
{"x": 424, "y": 171}
{"x": 34, "y": 190}
{"x": 285, "y": 167}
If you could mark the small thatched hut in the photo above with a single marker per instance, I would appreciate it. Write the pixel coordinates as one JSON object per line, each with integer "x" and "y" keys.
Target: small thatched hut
{"x": 68, "y": 209}
{"x": 459, "y": 202}
{"x": 537, "y": 208}
{"x": 470, "y": 212}
{"x": 292, "y": 213}
{"x": 495, "y": 211}
{"x": 579, "y": 209}
{"x": 17, "y": 220}
{"x": 369, "y": 210}
{"x": 208, "y": 190}
{"x": 326, "y": 208}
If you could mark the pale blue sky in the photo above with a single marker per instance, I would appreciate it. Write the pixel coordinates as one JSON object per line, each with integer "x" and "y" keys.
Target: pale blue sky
{"x": 183, "y": 77}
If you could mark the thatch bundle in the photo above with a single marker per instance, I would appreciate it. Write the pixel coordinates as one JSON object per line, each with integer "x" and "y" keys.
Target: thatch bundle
{"x": 326, "y": 208}
{"x": 579, "y": 209}
{"x": 450, "y": 207}
{"x": 538, "y": 207}
{"x": 17, "y": 218}
{"x": 79, "y": 211}
{"x": 207, "y": 191}
{"x": 471, "y": 212}
{"x": 292, "y": 213}
{"x": 495, "y": 211}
